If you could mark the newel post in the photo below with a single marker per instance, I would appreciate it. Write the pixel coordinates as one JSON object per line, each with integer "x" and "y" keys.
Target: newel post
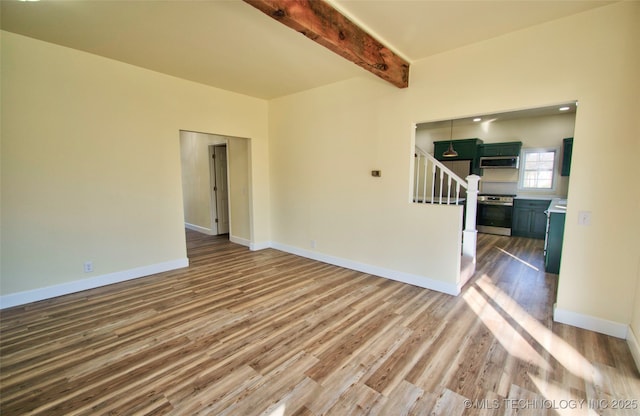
{"x": 470, "y": 234}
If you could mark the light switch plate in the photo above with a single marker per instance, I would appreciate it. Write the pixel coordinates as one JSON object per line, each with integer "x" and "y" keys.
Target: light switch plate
{"x": 584, "y": 218}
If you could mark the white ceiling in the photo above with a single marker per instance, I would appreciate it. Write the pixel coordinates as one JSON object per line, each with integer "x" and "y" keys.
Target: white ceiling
{"x": 554, "y": 110}
{"x": 231, "y": 45}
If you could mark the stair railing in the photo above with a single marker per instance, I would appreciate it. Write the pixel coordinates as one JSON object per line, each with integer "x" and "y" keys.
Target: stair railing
{"x": 429, "y": 181}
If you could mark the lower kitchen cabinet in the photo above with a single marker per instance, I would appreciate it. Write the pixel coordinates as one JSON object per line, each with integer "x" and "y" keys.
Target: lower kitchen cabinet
{"x": 529, "y": 218}
{"x": 553, "y": 247}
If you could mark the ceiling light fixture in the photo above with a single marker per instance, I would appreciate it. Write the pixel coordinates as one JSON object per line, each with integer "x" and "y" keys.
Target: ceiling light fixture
{"x": 450, "y": 152}
{"x": 565, "y": 108}
{"x": 477, "y": 119}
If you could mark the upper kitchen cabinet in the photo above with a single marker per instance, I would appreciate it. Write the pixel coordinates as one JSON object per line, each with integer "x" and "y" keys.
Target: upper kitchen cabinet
{"x": 567, "y": 150}
{"x": 467, "y": 149}
{"x": 500, "y": 149}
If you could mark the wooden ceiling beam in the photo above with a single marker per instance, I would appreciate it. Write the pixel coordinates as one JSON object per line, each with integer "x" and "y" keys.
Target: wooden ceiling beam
{"x": 322, "y": 23}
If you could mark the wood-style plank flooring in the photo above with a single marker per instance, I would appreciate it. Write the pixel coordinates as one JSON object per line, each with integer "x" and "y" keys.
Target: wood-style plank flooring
{"x": 269, "y": 333}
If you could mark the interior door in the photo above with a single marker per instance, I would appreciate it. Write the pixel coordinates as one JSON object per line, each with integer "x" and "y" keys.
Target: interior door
{"x": 221, "y": 188}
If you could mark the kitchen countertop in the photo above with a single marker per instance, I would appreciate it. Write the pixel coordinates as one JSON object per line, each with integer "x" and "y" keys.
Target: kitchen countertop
{"x": 537, "y": 197}
{"x": 558, "y": 206}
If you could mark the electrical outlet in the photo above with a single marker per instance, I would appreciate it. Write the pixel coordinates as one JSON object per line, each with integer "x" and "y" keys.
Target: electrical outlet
{"x": 313, "y": 243}
{"x": 88, "y": 266}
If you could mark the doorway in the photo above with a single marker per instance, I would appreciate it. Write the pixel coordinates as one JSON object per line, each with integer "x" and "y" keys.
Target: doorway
{"x": 216, "y": 185}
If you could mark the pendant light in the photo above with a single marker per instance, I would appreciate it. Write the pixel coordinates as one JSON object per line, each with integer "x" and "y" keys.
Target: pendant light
{"x": 450, "y": 152}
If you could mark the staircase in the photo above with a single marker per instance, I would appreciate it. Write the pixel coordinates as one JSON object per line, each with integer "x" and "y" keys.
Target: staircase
{"x": 434, "y": 183}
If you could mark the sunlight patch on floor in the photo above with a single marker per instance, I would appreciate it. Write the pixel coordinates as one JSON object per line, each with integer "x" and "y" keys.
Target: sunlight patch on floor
{"x": 278, "y": 411}
{"x": 502, "y": 330}
{"x": 564, "y": 401}
{"x": 510, "y": 324}
{"x": 519, "y": 259}
{"x": 564, "y": 353}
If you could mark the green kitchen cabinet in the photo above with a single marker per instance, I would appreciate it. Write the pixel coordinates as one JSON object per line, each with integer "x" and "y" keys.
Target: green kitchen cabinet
{"x": 500, "y": 149}
{"x": 567, "y": 150}
{"x": 467, "y": 149}
{"x": 553, "y": 247}
{"x": 529, "y": 218}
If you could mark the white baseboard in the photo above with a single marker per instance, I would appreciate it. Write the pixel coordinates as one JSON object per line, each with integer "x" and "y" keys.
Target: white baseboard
{"x": 260, "y": 246}
{"x": 239, "y": 240}
{"x": 592, "y": 323}
{"x": 21, "y": 298}
{"x": 203, "y": 230}
{"x": 634, "y": 346}
{"x": 412, "y": 279}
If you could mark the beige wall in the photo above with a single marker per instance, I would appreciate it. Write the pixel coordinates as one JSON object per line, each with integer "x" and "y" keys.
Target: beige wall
{"x": 324, "y": 144}
{"x": 239, "y": 167}
{"x": 91, "y": 162}
{"x": 325, "y": 141}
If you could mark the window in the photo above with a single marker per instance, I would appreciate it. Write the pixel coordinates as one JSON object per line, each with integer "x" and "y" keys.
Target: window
{"x": 538, "y": 169}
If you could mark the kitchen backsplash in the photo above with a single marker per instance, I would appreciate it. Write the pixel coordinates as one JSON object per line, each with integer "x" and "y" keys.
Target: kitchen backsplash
{"x": 501, "y": 188}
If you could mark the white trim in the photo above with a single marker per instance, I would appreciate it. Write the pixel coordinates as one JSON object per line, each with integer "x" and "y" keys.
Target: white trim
{"x": 21, "y": 298}
{"x": 634, "y": 346}
{"x": 203, "y": 230}
{"x": 412, "y": 279}
{"x": 213, "y": 198}
{"x": 260, "y": 246}
{"x": 592, "y": 323}
{"x": 239, "y": 240}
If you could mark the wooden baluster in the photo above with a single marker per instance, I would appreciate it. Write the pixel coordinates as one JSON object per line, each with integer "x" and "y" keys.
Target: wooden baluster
{"x": 433, "y": 183}
{"x": 417, "y": 165}
{"x": 449, "y": 190}
{"x": 441, "y": 183}
{"x": 424, "y": 180}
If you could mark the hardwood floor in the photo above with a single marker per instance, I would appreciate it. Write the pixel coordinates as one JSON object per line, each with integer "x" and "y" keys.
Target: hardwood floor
{"x": 269, "y": 333}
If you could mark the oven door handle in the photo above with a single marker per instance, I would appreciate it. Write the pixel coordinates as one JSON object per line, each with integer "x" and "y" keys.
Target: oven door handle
{"x": 502, "y": 204}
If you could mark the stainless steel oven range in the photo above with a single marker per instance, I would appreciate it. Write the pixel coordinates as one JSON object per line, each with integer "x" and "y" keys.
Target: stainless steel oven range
{"x": 495, "y": 213}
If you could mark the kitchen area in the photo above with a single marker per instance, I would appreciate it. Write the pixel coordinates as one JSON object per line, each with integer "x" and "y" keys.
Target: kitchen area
{"x": 524, "y": 161}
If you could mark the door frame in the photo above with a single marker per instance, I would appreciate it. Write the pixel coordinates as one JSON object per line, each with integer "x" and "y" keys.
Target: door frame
{"x": 240, "y": 197}
{"x": 213, "y": 182}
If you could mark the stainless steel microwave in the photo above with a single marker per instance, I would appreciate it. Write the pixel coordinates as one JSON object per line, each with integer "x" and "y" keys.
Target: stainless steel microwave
{"x": 499, "y": 162}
